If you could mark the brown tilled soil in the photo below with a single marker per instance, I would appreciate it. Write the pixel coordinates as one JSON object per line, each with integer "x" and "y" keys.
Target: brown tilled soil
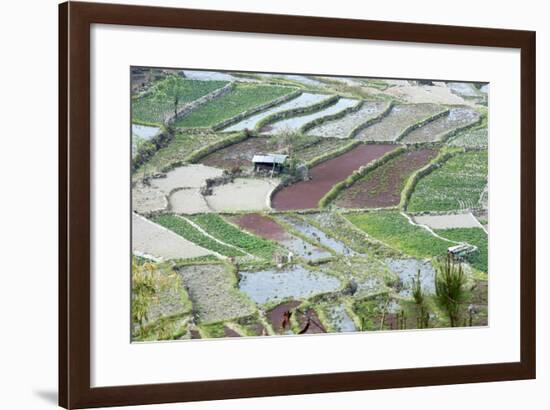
{"x": 306, "y": 194}
{"x": 315, "y": 325}
{"x": 230, "y": 332}
{"x": 275, "y": 315}
{"x": 261, "y": 226}
{"x": 382, "y": 187}
{"x": 238, "y": 155}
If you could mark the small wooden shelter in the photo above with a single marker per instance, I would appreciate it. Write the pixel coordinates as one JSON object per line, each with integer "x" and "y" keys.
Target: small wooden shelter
{"x": 269, "y": 162}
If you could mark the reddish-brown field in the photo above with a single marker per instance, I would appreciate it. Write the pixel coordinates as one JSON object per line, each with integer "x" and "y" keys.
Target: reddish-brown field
{"x": 382, "y": 187}
{"x": 306, "y": 194}
{"x": 314, "y": 325}
{"x": 239, "y": 154}
{"x": 260, "y": 225}
{"x": 275, "y": 315}
{"x": 230, "y": 332}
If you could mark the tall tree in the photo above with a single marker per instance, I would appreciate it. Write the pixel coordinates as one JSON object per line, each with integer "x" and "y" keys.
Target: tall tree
{"x": 450, "y": 287}
{"x": 172, "y": 88}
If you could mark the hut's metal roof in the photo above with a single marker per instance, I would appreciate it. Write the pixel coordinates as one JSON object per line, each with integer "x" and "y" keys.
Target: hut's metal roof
{"x": 270, "y": 158}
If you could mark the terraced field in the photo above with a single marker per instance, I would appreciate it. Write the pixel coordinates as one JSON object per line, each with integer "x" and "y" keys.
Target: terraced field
{"x": 382, "y": 187}
{"x": 473, "y": 236}
{"x": 395, "y": 230}
{"x": 153, "y": 108}
{"x": 238, "y": 155}
{"x": 306, "y": 194}
{"x": 242, "y": 98}
{"x": 226, "y": 247}
{"x": 477, "y": 137}
{"x": 151, "y": 239}
{"x": 458, "y": 117}
{"x": 185, "y": 229}
{"x": 213, "y": 293}
{"x": 342, "y": 127}
{"x": 392, "y": 126}
{"x": 216, "y": 226}
{"x": 243, "y": 194}
{"x": 318, "y": 147}
{"x": 465, "y": 173}
{"x": 183, "y": 144}
{"x": 304, "y": 100}
{"x": 295, "y": 123}
{"x": 270, "y": 229}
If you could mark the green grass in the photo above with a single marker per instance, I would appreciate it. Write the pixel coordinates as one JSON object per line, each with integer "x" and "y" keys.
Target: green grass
{"x": 458, "y": 184}
{"x": 148, "y": 109}
{"x": 183, "y": 144}
{"x": 395, "y": 230}
{"x": 189, "y": 232}
{"x": 216, "y": 226}
{"x": 242, "y": 98}
{"x": 473, "y": 236}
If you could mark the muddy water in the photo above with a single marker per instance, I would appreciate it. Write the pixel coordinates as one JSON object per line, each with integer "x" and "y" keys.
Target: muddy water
{"x": 304, "y": 249}
{"x": 340, "y": 319}
{"x": 269, "y": 229}
{"x": 144, "y": 131}
{"x": 296, "y": 282}
{"x": 318, "y": 236}
{"x": 407, "y": 270}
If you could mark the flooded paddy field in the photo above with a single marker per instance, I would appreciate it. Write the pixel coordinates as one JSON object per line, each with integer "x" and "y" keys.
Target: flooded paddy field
{"x": 303, "y": 100}
{"x": 294, "y": 123}
{"x": 268, "y": 228}
{"x": 317, "y": 235}
{"x": 342, "y": 127}
{"x": 407, "y": 269}
{"x": 382, "y": 187}
{"x": 340, "y": 319}
{"x": 306, "y": 194}
{"x": 435, "y": 130}
{"x": 291, "y": 282}
{"x": 142, "y": 133}
{"x": 341, "y": 228}
{"x": 397, "y": 121}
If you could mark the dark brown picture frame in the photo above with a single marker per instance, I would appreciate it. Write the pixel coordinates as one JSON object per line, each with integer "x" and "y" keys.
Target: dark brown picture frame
{"x": 74, "y": 204}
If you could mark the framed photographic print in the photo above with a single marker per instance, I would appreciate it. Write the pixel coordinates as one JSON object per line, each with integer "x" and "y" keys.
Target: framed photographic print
{"x": 255, "y": 205}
